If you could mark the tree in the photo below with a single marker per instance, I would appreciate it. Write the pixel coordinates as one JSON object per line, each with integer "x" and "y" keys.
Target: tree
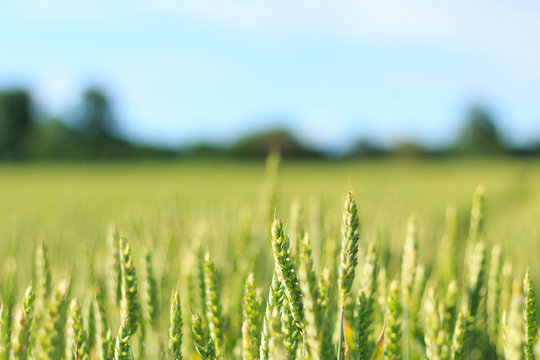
{"x": 261, "y": 143}
{"x": 96, "y": 116}
{"x": 480, "y": 135}
{"x": 15, "y": 122}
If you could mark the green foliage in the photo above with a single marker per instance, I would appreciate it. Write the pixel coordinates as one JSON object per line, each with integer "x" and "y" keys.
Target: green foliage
{"x": 378, "y": 353}
{"x": 15, "y": 122}
{"x": 480, "y": 135}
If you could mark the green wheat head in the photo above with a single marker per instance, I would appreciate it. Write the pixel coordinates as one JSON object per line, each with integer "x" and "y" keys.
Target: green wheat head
{"x": 91, "y": 326}
{"x": 457, "y": 349}
{"x": 270, "y": 322}
{"x": 250, "y": 327}
{"x": 449, "y": 309}
{"x": 151, "y": 292}
{"x": 478, "y": 213}
{"x": 393, "y": 327}
{"x": 50, "y": 338}
{"x": 287, "y": 274}
{"x": 80, "y": 340}
{"x": 5, "y": 330}
{"x": 289, "y": 330}
{"x": 43, "y": 273}
{"x": 514, "y": 328}
{"x": 313, "y": 311}
{"x": 213, "y": 305}
{"x": 349, "y": 248}
{"x": 23, "y": 322}
{"x": 175, "y": 326}
{"x": 202, "y": 341}
{"x": 297, "y": 231}
{"x": 435, "y": 337}
{"x": 122, "y": 347}
{"x": 129, "y": 309}
{"x": 130, "y": 302}
{"x": 476, "y": 278}
{"x": 494, "y": 294}
{"x": 201, "y": 281}
{"x": 362, "y": 326}
{"x": 115, "y": 270}
{"x": 408, "y": 263}
{"x": 529, "y": 314}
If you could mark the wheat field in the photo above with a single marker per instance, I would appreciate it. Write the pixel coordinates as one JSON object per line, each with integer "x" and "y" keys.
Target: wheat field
{"x": 284, "y": 260}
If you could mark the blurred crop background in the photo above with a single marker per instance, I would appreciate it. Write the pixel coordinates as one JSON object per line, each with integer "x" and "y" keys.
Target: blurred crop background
{"x": 135, "y": 111}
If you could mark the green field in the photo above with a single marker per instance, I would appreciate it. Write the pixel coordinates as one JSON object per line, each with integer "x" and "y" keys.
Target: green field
{"x": 72, "y": 205}
{"x": 174, "y": 208}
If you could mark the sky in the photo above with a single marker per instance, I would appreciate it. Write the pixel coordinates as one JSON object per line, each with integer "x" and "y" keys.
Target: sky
{"x": 332, "y": 71}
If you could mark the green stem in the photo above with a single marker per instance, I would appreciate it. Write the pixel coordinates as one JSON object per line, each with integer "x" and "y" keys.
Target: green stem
{"x": 339, "y": 357}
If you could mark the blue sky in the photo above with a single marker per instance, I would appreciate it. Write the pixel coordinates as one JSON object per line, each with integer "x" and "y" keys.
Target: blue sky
{"x": 331, "y": 70}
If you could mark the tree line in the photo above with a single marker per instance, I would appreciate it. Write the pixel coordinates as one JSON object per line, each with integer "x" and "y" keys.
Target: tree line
{"x": 91, "y": 132}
